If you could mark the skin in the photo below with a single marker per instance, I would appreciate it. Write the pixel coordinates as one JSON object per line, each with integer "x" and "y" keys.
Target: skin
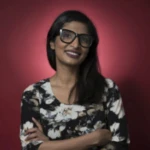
{"x": 67, "y": 68}
{"x": 61, "y": 57}
{"x": 98, "y": 137}
{"x": 64, "y": 78}
{"x": 36, "y": 134}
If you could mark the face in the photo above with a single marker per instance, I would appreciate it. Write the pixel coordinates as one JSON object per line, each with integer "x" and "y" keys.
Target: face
{"x": 71, "y": 53}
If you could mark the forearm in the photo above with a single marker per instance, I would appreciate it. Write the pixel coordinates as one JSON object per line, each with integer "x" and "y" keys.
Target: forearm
{"x": 79, "y": 143}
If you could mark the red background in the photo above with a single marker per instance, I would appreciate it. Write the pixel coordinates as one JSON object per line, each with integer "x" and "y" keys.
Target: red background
{"x": 124, "y": 51}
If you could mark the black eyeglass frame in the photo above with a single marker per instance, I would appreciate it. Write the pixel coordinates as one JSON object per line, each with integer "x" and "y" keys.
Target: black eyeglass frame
{"x": 76, "y": 35}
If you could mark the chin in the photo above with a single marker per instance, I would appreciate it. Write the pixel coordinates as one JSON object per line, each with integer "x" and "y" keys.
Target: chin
{"x": 72, "y": 64}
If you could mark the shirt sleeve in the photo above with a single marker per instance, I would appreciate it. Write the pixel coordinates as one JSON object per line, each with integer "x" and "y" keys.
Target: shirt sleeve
{"x": 29, "y": 108}
{"x": 115, "y": 118}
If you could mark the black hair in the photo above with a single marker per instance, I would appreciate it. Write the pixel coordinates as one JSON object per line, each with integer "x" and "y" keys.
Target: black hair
{"x": 90, "y": 84}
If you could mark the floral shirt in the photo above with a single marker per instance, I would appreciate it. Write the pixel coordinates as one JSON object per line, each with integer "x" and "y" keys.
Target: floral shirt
{"x": 61, "y": 121}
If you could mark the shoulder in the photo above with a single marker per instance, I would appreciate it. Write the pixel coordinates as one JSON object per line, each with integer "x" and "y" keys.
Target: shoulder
{"x": 37, "y": 85}
{"x": 33, "y": 93}
{"x": 111, "y": 84}
{"x": 112, "y": 91}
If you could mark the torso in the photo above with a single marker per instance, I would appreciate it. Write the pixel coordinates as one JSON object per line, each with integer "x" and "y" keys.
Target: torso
{"x": 62, "y": 93}
{"x": 63, "y": 121}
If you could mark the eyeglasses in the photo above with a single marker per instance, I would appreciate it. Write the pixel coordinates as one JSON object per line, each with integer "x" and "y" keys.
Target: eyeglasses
{"x": 68, "y": 36}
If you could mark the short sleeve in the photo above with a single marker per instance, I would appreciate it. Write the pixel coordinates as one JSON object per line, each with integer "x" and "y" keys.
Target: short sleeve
{"x": 29, "y": 108}
{"x": 115, "y": 118}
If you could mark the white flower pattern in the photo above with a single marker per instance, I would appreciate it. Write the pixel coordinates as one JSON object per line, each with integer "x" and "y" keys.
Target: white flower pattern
{"x": 27, "y": 125}
{"x": 62, "y": 121}
{"x": 67, "y": 112}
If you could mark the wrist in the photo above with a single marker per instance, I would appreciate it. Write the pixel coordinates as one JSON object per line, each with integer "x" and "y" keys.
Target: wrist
{"x": 104, "y": 136}
{"x": 92, "y": 138}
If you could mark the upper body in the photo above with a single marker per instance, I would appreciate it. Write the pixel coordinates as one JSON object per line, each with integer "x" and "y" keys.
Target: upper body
{"x": 63, "y": 121}
{"x": 77, "y": 108}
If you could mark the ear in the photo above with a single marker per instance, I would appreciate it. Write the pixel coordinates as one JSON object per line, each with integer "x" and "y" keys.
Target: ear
{"x": 52, "y": 45}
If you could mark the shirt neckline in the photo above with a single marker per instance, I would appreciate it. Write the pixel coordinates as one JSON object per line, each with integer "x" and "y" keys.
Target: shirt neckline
{"x": 50, "y": 90}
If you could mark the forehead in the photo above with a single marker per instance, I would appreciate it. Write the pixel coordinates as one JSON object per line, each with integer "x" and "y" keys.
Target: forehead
{"x": 76, "y": 26}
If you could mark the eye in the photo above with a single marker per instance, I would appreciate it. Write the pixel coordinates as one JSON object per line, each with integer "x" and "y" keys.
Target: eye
{"x": 85, "y": 39}
{"x": 66, "y": 34}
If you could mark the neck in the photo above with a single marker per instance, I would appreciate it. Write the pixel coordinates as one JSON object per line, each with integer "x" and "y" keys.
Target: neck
{"x": 66, "y": 76}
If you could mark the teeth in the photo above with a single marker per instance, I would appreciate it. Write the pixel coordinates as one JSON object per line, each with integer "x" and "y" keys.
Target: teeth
{"x": 73, "y": 53}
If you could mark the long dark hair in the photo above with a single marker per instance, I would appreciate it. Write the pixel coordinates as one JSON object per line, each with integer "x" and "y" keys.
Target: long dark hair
{"x": 90, "y": 84}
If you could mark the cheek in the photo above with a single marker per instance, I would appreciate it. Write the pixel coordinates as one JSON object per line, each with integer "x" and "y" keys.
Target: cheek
{"x": 59, "y": 45}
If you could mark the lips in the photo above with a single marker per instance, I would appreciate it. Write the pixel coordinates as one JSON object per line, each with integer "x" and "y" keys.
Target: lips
{"x": 73, "y": 53}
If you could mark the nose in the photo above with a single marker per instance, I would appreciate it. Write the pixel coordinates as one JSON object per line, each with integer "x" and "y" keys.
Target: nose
{"x": 75, "y": 43}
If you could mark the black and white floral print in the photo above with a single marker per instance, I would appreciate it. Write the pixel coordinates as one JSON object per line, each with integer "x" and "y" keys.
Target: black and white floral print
{"x": 61, "y": 121}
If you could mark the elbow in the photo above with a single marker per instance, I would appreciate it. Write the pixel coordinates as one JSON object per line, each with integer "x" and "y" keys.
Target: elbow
{"x": 105, "y": 136}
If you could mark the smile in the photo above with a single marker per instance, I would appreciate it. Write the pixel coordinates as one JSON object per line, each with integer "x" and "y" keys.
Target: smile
{"x": 73, "y": 54}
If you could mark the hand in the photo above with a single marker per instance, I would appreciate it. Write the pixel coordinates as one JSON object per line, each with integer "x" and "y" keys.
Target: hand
{"x": 36, "y": 134}
{"x": 104, "y": 136}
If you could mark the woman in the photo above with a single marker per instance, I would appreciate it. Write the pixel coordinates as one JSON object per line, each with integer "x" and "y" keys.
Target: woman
{"x": 77, "y": 108}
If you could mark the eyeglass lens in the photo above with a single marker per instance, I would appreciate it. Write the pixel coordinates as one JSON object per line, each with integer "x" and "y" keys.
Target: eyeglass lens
{"x": 68, "y": 36}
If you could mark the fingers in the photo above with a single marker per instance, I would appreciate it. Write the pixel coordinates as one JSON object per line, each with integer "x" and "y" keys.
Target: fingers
{"x": 31, "y": 136}
{"x": 35, "y": 134}
{"x": 37, "y": 124}
{"x": 29, "y": 131}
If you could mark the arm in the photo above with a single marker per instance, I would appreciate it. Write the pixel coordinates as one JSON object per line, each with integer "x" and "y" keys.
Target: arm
{"x": 98, "y": 137}
{"x": 116, "y": 120}
{"x": 80, "y": 143}
{"x": 29, "y": 108}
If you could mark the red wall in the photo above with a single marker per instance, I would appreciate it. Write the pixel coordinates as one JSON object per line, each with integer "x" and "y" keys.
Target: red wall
{"x": 124, "y": 51}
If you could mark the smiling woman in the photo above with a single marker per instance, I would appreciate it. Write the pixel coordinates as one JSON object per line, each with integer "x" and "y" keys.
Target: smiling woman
{"x": 67, "y": 46}
{"x": 77, "y": 108}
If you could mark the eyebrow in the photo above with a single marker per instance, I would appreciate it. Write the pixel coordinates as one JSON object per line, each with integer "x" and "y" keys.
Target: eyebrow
{"x": 76, "y": 32}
